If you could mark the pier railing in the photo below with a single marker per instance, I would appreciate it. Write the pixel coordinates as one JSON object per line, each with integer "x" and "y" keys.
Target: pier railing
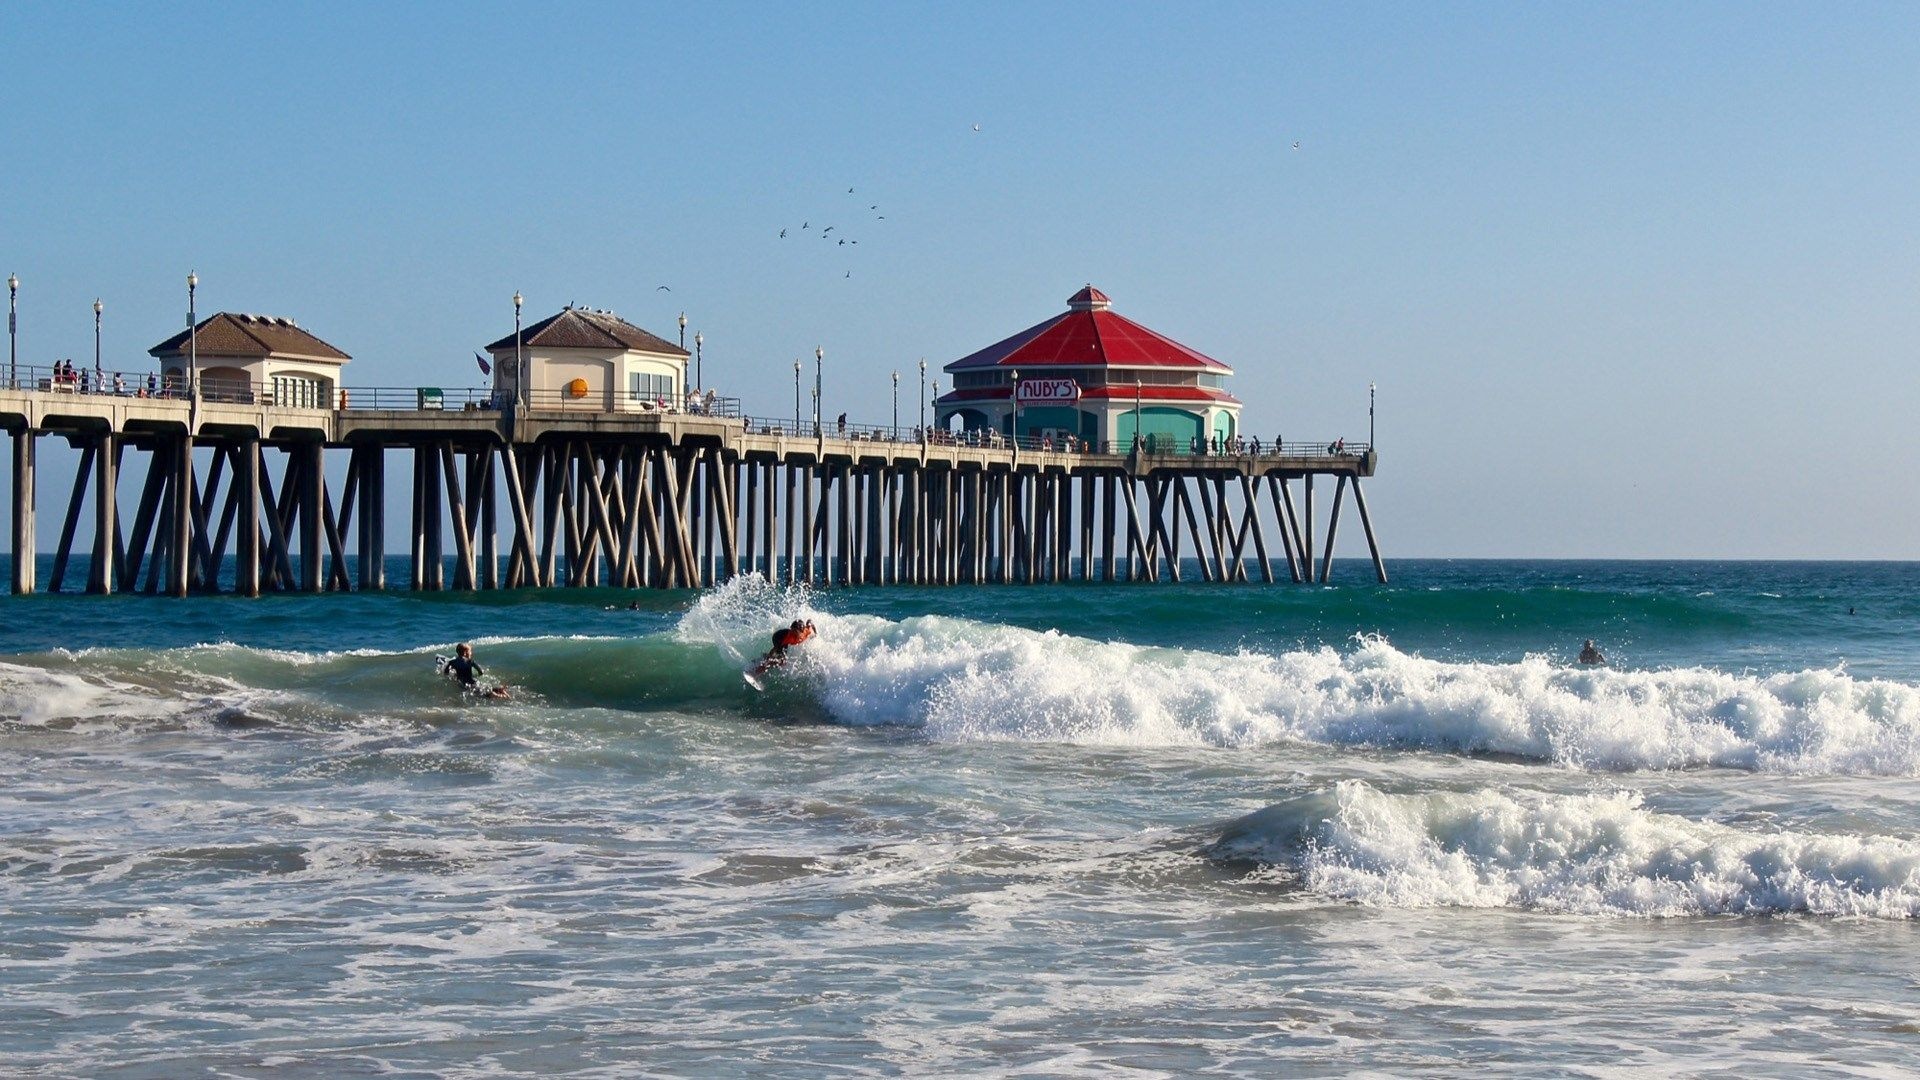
{"x": 79, "y": 380}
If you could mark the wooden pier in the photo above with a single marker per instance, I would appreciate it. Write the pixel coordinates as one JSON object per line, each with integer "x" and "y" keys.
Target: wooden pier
{"x": 638, "y": 500}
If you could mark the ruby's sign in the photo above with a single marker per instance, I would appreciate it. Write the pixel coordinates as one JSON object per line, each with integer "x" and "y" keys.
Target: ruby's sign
{"x": 1047, "y": 392}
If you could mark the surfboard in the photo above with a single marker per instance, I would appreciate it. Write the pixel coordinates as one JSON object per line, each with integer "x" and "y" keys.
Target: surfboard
{"x": 749, "y": 673}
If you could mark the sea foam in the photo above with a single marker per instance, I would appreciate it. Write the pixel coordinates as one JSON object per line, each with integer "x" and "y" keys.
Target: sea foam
{"x": 1590, "y": 854}
{"x": 963, "y": 680}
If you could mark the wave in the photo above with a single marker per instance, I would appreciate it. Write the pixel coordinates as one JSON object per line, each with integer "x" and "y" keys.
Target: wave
{"x": 961, "y": 680}
{"x": 1587, "y": 854}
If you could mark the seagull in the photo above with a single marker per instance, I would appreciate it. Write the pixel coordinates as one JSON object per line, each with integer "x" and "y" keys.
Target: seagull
{"x": 976, "y": 127}
{"x": 883, "y": 217}
{"x": 803, "y": 224}
{"x": 661, "y": 288}
{"x": 873, "y": 207}
{"x": 828, "y": 229}
{"x": 849, "y": 273}
{"x": 843, "y": 243}
{"x": 1296, "y": 145}
{"x": 783, "y": 234}
{"x": 849, "y": 191}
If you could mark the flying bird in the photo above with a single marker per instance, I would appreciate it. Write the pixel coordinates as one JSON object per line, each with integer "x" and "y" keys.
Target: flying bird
{"x": 783, "y": 234}
{"x": 976, "y": 127}
{"x": 828, "y": 229}
{"x": 843, "y": 243}
{"x": 661, "y": 288}
{"x": 1296, "y": 145}
{"x": 849, "y": 191}
{"x": 803, "y": 224}
{"x": 873, "y": 207}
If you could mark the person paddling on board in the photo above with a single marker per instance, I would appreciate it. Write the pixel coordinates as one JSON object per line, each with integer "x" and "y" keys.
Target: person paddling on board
{"x": 1591, "y": 655}
{"x": 783, "y": 639}
{"x": 462, "y": 669}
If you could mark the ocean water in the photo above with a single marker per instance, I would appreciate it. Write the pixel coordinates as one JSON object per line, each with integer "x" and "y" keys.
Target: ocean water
{"x": 1050, "y": 831}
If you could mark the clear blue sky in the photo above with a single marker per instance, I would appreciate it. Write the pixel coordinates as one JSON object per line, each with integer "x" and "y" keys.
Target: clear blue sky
{"x": 1634, "y": 281}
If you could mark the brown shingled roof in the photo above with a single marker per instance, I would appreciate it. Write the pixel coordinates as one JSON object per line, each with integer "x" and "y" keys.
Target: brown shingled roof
{"x": 227, "y": 334}
{"x": 581, "y": 328}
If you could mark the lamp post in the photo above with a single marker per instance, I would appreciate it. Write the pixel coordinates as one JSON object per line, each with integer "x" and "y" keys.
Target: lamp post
{"x": 1014, "y": 424}
{"x": 193, "y": 338}
{"x": 1138, "y": 439}
{"x": 98, "y": 307}
{"x": 683, "y": 331}
{"x": 796, "y": 397}
{"x": 923, "y": 398}
{"x": 519, "y": 354}
{"x": 819, "y": 364}
{"x": 699, "y": 370}
{"x": 13, "y": 332}
{"x": 1369, "y": 414}
{"x": 896, "y": 404}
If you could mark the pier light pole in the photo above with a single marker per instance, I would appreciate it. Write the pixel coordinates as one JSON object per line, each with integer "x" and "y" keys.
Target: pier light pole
{"x": 98, "y": 307}
{"x": 1013, "y": 425}
{"x": 13, "y": 331}
{"x": 923, "y": 398}
{"x": 193, "y": 338}
{"x": 896, "y": 404}
{"x": 1139, "y": 439}
{"x": 796, "y": 397}
{"x": 519, "y": 354}
{"x": 699, "y": 369}
{"x": 683, "y": 331}
{"x": 819, "y": 364}
{"x": 1369, "y": 415}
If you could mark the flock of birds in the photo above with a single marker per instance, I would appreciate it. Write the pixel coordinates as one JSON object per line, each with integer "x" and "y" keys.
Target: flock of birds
{"x": 843, "y": 239}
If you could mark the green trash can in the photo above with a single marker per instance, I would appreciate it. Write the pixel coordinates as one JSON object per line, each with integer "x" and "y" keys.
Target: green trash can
{"x": 431, "y": 398}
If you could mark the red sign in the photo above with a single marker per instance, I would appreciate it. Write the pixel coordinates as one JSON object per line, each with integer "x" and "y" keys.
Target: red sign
{"x": 1047, "y": 392}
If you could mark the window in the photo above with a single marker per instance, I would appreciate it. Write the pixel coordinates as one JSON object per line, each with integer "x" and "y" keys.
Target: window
{"x": 299, "y": 392}
{"x": 644, "y": 386}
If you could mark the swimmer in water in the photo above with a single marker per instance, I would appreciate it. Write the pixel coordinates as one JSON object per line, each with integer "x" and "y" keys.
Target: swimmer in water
{"x": 463, "y": 670}
{"x": 1591, "y": 655}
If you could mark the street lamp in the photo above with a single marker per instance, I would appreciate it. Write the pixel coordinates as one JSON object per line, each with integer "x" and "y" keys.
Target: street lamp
{"x": 699, "y": 377}
{"x": 1369, "y": 414}
{"x": 796, "y": 397}
{"x": 193, "y": 338}
{"x": 923, "y": 397}
{"x": 13, "y": 332}
{"x": 98, "y": 307}
{"x": 896, "y": 405}
{"x": 683, "y": 331}
{"x": 519, "y": 357}
{"x": 1138, "y": 439}
{"x": 1014, "y": 425}
{"x": 819, "y": 363}
{"x": 936, "y": 401}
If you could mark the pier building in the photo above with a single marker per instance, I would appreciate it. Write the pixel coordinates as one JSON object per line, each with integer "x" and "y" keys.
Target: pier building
{"x": 591, "y": 358}
{"x": 227, "y": 356}
{"x": 1095, "y": 377}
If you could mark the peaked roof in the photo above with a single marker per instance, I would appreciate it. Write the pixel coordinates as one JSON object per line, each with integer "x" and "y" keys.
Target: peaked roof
{"x": 227, "y": 334}
{"x": 584, "y": 328}
{"x": 1088, "y": 334}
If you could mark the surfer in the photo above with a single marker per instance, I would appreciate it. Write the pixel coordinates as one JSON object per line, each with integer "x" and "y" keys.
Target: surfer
{"x": 783, "y": 639}
{"x": 461, "y": 668}
{"x": 1591, "y": 655}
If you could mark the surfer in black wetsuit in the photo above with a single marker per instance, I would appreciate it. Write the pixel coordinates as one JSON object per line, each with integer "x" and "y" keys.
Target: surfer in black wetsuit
{"x": 1591, "y": 656}
{"x": 462, "y": 669}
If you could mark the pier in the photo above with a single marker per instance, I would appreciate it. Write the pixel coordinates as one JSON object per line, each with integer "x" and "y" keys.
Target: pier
{"x": 548, "y": 492}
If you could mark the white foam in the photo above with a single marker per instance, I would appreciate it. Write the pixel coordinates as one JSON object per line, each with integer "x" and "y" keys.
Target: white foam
{"x": 1593, "y": 854}
{"x": 968, "y": 681}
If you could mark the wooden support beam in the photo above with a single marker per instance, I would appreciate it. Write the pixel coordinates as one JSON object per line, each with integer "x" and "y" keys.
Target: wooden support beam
{"x": 25, "y": 473}
{"x": 1333, "y": 527}
{"x": 61, "y": 553}
{"x": 1185, "y": 502}
{"x": 181, "y": 505}
{"x": 1289, "y": 527}
{"x": 105, "y": 508}
{"x": 464, "y": 578}
{"x": 1366, "y": 524}
{"x": 143, "y": 517}
{"x": 277, "y": 556}
{"x": 247, "y": 481}
{"x": 1250, "y": 491}
{"x": 522, "y": 568}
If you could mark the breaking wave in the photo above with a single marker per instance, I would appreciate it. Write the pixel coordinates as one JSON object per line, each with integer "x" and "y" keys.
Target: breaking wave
{"x": 1588, "y": 854}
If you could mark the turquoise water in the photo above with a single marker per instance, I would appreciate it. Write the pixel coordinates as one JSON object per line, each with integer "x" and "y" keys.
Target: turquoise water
{"x": 1061, "y": 831}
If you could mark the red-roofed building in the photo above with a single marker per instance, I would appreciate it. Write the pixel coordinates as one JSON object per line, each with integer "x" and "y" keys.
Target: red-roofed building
{"x": 1094, "y": 375}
